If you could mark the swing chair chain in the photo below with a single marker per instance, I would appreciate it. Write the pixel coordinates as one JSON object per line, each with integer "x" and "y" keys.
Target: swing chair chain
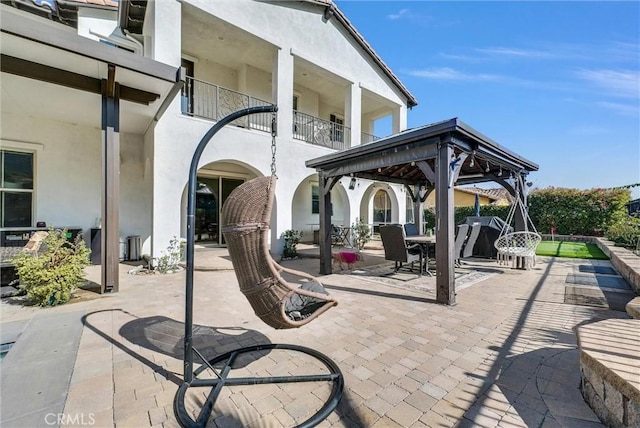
{"x": 274, "y": 131}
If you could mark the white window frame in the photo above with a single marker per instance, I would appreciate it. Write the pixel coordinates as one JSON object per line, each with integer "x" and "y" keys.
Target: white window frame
{"x": 27, "y": 148}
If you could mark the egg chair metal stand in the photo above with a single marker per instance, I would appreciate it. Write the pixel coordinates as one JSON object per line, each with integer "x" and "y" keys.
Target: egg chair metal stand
{"x": 222, "y": 365}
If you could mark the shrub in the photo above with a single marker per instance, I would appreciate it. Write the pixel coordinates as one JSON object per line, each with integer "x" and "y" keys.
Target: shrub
{"x": 361, "y": 234}
{"x": 170, "y": 258}
{"x": 51, "y": 277}
{"x": 291, "y": 240}
{"x": 577, "y": 212}
{"x": 625, "y": 232}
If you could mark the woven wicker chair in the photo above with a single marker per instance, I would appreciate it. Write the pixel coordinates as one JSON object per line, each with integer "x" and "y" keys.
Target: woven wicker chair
{"x": 245, "y": 225}
{"x": 397, "y": 250}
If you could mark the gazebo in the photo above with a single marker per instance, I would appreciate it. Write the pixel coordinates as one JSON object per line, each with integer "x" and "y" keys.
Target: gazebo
{"x": 431, "y": 157}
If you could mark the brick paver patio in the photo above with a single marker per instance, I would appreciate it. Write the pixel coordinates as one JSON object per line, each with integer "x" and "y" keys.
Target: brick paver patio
{"x": 505, "y": 355}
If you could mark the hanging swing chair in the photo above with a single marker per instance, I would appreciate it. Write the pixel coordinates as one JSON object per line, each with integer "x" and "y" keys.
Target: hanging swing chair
{"x": 245, "y": 225}
{"x": 518, "y": 249}
{"x": 280, "y": 304}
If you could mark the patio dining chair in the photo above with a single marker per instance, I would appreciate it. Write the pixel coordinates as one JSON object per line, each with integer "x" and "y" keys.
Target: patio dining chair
{"x": 411, "y": 229}
{"x": 461, "y": 236}
{"x": 396, "y": 248}
{"x": 471, "y": 240}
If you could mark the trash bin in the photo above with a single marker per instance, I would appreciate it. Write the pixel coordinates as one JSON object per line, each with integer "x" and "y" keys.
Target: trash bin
{"x": 134, "y": 247}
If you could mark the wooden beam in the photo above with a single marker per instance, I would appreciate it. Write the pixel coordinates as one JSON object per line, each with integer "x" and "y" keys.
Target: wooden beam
{"x": 427, "y": 192}
{"x": 417, "y": 208}
{"x": 427, "y": 171}
{"x": 412, "y": 153}
{"x": 44, "y": 73}
{"x": 455, "y": 166}
{"x": 445, "y": 273}
{"x": 68, "y": 79}
{"x": 375, "y": 177}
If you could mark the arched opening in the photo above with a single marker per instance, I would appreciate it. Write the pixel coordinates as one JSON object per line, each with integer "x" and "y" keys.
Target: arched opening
{"x": 381, "y": 207}
{"x": 305, "y": 212}
{"x": 215, "y": 182}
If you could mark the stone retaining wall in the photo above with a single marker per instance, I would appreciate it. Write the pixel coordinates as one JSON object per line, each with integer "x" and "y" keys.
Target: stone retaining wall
{"x": 568, "y": 238}
{"x": 624, "y": 261}
{"x": 609, "y": 354}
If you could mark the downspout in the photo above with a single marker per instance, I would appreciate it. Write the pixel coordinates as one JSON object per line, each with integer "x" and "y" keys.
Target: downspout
{"x": 120, "y": 35}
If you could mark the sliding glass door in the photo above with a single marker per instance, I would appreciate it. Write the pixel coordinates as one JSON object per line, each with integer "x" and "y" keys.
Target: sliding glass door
{"x": 211, "y": 192}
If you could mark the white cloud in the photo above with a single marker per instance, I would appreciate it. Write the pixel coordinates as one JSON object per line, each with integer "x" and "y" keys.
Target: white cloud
{"x": 446, "y": 73}
{"x": 622, "y": 83}
{"x": 517, "y": 52}
{"x": 402, "y": 13}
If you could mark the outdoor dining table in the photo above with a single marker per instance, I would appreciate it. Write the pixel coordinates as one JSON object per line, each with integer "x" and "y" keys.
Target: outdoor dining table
{"x": 424, "y": 241}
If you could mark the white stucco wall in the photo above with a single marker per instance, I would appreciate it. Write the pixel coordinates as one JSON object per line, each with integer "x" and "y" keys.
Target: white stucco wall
{"x": 212, "y": 72}
{"x": 298, "y": 28}
{"x": 295, "y": 29}
{"x": 68, "y": 172}
{"x": 98, "y": 21}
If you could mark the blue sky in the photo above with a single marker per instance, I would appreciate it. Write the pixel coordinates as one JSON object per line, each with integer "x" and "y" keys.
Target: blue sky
{"x": 556, "y": 82}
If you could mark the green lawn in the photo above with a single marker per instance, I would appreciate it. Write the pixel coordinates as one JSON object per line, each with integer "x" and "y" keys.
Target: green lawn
{"x": 576, "y": 250}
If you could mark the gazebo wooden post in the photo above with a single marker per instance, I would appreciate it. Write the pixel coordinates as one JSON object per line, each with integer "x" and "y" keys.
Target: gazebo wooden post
{"x": 519, "y": 220}
{"x": 417, "y": 208}
{"x": 445, "y": 273}
{"x": 324, "y": 190}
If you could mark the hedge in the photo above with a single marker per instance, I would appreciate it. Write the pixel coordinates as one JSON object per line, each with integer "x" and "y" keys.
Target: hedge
{"x": 594, "y": 212}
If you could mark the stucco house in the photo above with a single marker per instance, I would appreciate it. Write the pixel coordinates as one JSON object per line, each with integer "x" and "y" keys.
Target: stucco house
{"x": 232, "y": 55}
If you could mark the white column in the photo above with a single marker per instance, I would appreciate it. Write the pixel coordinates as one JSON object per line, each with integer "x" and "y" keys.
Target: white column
{"x": 282, "y": 88}
{"x": 399, "y": 119}
{"x": 164, "y": 20}
{"x": 353, "y": 112}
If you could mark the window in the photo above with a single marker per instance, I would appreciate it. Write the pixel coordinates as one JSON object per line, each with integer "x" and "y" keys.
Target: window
{"x": 315, "y": 200}
{"x": 16, "y": 188}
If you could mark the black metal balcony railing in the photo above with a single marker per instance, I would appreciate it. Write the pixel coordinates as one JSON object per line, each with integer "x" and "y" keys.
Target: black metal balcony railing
{"x": 213, "y": 102}
{"x": 320, "y": 132}
{"x": 209, "y": 101}
{"x": 368, "y": 138}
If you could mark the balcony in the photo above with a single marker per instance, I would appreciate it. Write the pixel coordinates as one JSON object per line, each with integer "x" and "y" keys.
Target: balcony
{"x": 209, "y": 101}
{"x": 213, "y": 102}
{"x": 367, "y": 138}
{"x": 320, "y": 132}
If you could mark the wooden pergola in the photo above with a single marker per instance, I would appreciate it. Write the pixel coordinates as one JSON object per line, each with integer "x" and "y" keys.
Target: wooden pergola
{"x": 432, "y": 157}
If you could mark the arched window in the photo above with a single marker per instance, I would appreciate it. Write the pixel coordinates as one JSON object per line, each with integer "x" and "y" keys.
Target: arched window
{"x": 381, "y": 207}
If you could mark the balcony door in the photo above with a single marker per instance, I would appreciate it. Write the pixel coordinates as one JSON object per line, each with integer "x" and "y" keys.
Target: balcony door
{"x": 211, "y": 193}
{"x": 187, "y": 89}
{"x": 337, "y": 128}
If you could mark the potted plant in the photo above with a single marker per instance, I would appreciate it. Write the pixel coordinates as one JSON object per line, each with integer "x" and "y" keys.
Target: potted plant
{"x": 291, "y": 239}
{"x": 361, "y": 234}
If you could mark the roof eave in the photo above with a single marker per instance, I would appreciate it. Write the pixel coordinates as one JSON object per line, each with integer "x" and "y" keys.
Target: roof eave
{"x": 335, "y": 11}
